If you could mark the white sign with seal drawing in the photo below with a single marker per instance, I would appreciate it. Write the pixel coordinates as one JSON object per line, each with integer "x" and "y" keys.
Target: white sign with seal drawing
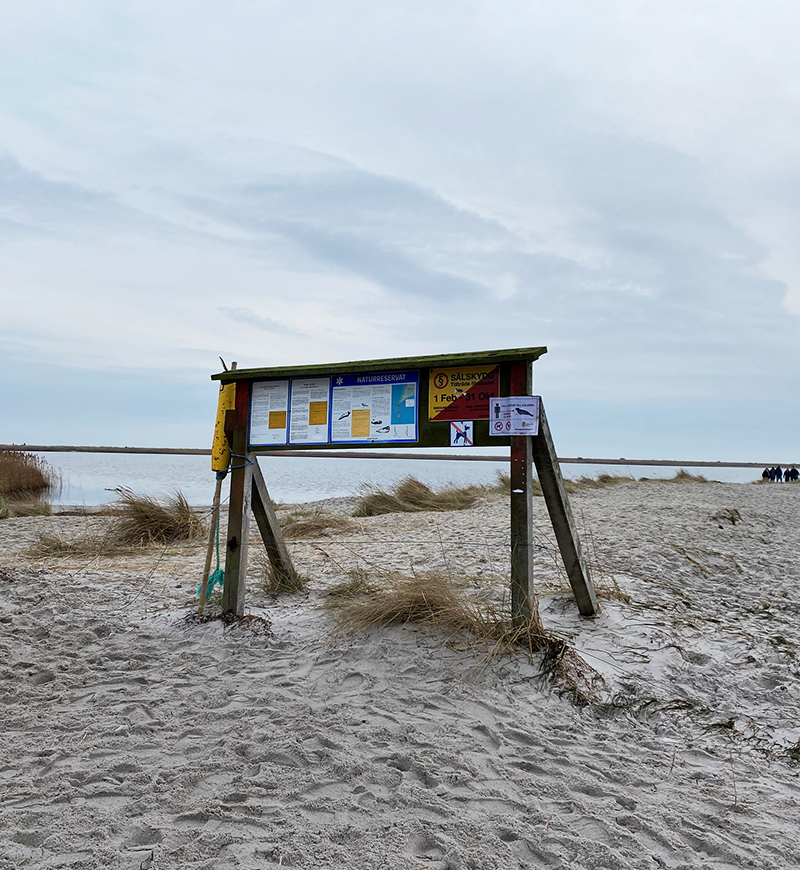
{"x": 514, "y": 415}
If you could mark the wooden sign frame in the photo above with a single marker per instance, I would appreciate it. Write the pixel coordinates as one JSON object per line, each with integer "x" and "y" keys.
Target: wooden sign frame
{"x": 513, "y": 377}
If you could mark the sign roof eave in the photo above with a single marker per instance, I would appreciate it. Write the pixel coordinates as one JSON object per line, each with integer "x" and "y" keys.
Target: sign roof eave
{"x": 443, "y": 360}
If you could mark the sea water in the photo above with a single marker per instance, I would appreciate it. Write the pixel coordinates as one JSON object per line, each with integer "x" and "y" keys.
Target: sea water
{"x": 90, "y": 478}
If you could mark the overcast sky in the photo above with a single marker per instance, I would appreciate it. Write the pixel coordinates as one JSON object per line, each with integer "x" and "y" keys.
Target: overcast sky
{"x": 320, "y": 180}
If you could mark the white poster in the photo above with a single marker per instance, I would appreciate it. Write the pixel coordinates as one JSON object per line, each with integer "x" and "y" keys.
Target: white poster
{"x": 309, "y": 416}
{"x": 373, "y": 407}
{"x": 514, "y": 415}
{"x": 269, "y": 405}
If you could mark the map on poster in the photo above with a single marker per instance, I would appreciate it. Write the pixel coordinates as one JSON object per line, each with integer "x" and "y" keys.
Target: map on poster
{"x": 308, "y": 420}
{"x": 380, "y": 406}
{"x": 515, "y": 415}
{"x": 269, "y": 405}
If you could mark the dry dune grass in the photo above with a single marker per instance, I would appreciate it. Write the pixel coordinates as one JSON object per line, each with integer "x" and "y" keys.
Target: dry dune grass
{"x": 410, "y": 495}
{"x": 144, "y": 520}
{"x": 579, "y": 484}
{"x": 33, "y": 507}
{"x": 138, "y": 521}
{"x": 275, "y": 582}
{"x": 585, "y": 482}
{"x": 431, "y": 601}
{"x": 302, "y": 525}
{"x": 683, "y": 476}
{"x": 396, "y": 598}
{"x": 503, "y": 484}
{"x": 53, "y": 545}
{"x": 358, "y": 582}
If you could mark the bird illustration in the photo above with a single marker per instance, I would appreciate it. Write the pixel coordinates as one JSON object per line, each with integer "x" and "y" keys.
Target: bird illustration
{"x": 377, "y": 422}
{"x": 343, "y": 416}
{"x": 383, "y": 429}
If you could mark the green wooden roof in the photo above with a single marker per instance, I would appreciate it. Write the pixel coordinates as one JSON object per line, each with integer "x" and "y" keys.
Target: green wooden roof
{"x": 481, "y": 357}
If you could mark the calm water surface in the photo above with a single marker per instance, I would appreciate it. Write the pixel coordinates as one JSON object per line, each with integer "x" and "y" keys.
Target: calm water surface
{"x": 88, "y": 477}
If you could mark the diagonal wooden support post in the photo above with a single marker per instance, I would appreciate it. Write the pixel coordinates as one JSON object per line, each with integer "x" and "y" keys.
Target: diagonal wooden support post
{"x": 269, "y": 527}
{"x": 557, "y": 501}
{"x": 242, "y": 463}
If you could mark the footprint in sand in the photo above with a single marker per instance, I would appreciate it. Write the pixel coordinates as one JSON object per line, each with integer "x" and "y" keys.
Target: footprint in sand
{"x": 351, "y": 682}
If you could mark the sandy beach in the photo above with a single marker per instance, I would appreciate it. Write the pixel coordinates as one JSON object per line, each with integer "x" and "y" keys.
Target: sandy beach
{"x": 135, "y": 739}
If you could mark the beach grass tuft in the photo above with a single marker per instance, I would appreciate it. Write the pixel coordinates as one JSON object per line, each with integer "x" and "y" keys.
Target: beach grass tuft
{"x": 275, "y": 582}
{"x": 144, "y": 520}
{"x": 396, "y": 598}
{"x": 136, "y": 522}
{"x": 410, "y": 495}
{"x": 53, "y": 545}
{"x": 502, "y": 484}
{"x": 601, "y": 481}
{"x": 432, "y": 601}
{"x": 358, "y": 583}
{"x": 316, "y": 523}
{"x": 683, "y": 476}
{"x": 29, "y": 507}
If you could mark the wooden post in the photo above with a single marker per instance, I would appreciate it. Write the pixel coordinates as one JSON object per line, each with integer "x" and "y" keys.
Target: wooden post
{"x": 557, "y": 501}
{"x": 268, "y": 525}
{"x": 212, "y": 533}
{"x": 242, "y": 463}
{"x": 523, "y": 601}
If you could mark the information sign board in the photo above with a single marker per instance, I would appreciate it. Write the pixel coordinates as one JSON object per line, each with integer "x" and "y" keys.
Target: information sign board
{"x": 463, "y": 392}
{"x": 515, "y": 415}
{"x": 378, "y": 406}
{"x": 376, "y": 402}
{"x": 268, "y": 413}
{"x": 309, "y": 405}
{"x": 404, "y": 401}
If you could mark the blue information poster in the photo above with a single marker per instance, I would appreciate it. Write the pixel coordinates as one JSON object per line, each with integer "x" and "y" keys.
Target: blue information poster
{"x": 378, "y": 407}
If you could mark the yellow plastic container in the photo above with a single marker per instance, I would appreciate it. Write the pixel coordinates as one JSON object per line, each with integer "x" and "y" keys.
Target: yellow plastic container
{"x": 221, "y": 449}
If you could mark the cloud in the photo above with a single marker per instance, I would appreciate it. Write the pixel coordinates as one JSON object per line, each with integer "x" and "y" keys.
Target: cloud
{"x": 368, "y": 180}
{"x": 249, "y": 318}
{"x": 385, "y": 230}
{"x": 29, "y": 200}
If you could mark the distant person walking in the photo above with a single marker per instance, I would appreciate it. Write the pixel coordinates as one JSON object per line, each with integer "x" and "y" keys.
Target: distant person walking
{"x": 778, "y": 474}
{"x": 766, "y": 474}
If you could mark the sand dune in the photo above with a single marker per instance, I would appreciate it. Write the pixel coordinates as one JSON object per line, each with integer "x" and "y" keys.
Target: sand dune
{"x": 133, "y": 739}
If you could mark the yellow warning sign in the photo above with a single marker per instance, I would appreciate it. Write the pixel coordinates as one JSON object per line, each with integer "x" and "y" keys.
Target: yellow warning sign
{"x": 462, "y": 393}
